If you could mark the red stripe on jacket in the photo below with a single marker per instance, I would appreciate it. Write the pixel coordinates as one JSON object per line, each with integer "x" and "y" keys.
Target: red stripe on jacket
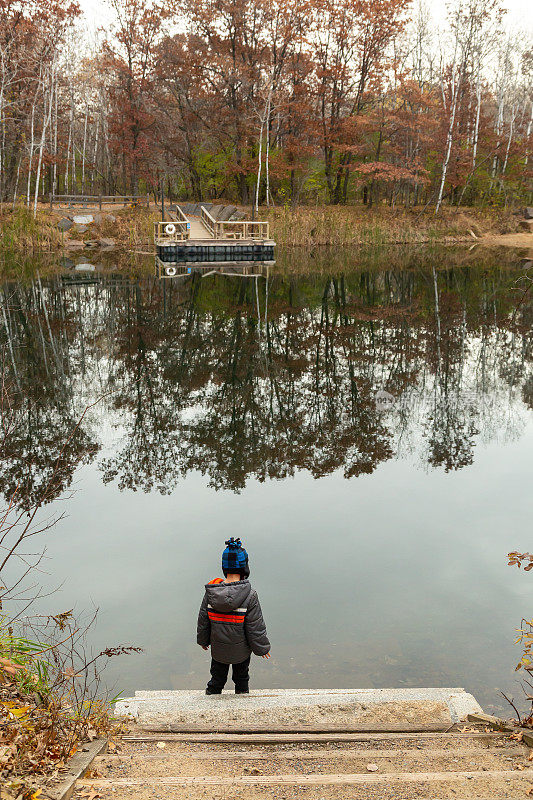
{"x": 235, "y": 618}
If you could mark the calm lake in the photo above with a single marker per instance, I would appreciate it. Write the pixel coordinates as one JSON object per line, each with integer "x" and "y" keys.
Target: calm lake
{"x": 366, "y": 429}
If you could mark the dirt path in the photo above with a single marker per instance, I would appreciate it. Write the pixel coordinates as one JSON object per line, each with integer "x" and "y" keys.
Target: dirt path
{"x": 524, "y": 240}
{"x": 461, "y": 765}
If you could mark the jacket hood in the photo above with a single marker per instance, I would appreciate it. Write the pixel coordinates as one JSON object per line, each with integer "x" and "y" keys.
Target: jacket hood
{"x": 228, "y": 596}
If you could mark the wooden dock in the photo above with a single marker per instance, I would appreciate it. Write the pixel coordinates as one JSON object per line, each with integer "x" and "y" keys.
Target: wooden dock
{"x": 204, "y": 238}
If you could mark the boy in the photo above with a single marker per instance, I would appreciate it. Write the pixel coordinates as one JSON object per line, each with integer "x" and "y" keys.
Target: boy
{"x": 231, "y": 621}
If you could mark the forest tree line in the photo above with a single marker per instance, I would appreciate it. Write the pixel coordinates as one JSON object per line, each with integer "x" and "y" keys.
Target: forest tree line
{"x": 267, "y": 102}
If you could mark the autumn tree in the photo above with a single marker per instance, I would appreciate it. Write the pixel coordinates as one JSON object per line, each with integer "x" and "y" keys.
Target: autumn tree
{"x": 31, "y": 37}
{"x": 267, "y": 102}
{"x": 128, "y": 61}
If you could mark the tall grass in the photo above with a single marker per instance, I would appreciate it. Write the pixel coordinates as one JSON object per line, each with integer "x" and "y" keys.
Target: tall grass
{"x": 33, "y": 675}
{"x": 348, "y": 225}
{"x": 19, "y": 230}
{"x": 131, "y": 228}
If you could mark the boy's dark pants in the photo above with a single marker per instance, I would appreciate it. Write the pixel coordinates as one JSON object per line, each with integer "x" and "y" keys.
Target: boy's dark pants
{"x": 219, "y": 676}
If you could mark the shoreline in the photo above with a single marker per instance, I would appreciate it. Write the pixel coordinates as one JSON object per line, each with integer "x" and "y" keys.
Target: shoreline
{"x": 131, "y": 230}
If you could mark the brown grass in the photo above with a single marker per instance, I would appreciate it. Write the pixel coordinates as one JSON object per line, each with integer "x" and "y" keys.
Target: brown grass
{"x": 348, "y": 225}
{"x": 19, "y": 231}
{"x": 307, "y": 226}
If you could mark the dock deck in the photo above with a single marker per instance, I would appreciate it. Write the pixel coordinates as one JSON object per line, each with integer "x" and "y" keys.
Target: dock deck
{"x": 198, "y": 230}
{"x": 208, "y": 237}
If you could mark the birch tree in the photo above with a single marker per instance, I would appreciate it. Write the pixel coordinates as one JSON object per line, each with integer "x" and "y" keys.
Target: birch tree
{"x": 469, "y": 20}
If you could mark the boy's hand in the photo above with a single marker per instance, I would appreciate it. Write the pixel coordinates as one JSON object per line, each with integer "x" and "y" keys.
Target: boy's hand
{"x": 205, "y": 648}
{"x": 267, "y": 655}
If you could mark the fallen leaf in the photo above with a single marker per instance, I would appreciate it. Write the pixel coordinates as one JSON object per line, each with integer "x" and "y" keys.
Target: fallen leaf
{"x": 92, "y": 774}
{"x": 519, "y": 766}
{"x": 372, "y": 767}
{"x": 10, "y": 666}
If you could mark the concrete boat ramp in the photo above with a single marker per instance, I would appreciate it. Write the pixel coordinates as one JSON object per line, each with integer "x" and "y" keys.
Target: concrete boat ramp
{"x": 349, "y": 744}
{"x": 304, "y": 707}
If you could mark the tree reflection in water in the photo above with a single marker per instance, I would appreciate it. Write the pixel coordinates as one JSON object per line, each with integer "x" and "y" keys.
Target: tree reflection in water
{"x": 191, "y": 377}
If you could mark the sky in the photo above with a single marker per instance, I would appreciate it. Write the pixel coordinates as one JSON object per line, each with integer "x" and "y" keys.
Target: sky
{"x": 520, "y": 12}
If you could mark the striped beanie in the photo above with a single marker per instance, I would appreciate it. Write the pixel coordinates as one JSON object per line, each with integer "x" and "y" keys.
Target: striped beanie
{"x": 235, "y": 558}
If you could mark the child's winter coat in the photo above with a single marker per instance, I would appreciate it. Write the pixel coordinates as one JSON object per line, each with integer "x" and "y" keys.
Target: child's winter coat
{"x": 231, "y": 621}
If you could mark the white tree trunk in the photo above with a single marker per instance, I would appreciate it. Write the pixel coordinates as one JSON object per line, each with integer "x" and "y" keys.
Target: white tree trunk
{"x": 499, "y": 125}
{"x": 47, "y": 118}
{"x": 15, "y": 190}
{"x": 476, "y": 124}
{"x": 267, "y": 151}
{"x": 95, "y": 153}
{"x": 30, "y": 154}
{"x": 54, "y": 174}
{"x": 511, "y": 130}
{"x": 449, "y": 143}
{"x": 259, "y": 165}
{"x": 528, "y": 132}
{"x": 83, "y": 151}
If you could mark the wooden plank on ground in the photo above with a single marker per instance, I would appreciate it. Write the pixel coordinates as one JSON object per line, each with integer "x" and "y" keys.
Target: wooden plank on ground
{"x": 434, "y": 727}
{"x": 305, "y": 755}
{"x": 527, "y": 736}
{"x": 77, "y": 767}
{"x": 312, "y": 738}
{"x": 493, "y": 722}
{"x": 315, "y": 779}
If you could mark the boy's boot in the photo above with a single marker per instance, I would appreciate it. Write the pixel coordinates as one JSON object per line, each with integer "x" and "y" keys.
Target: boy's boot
{"x": 213, "y": 691}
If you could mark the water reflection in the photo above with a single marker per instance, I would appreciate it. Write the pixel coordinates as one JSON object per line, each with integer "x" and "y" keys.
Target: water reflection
{"x": 263, "y": 377}
{"x": 246, "y": 269}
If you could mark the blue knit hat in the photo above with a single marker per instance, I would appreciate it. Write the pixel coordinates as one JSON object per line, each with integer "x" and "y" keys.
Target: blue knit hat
{"x": 235, "y": 558}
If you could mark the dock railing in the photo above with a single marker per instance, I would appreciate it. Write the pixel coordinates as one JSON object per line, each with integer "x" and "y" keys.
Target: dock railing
{"x": 91, "y": 200}
{"x": 242, "y": 229}
{"x": 209, "y": 222}
{"x": 177, "y": 230}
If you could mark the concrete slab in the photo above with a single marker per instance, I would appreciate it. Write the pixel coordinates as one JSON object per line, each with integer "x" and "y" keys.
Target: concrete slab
{"x": 300, "y": 707}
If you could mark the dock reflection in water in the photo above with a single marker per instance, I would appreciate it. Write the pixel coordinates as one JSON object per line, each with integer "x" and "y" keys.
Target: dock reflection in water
{"x": 244, "y": 269}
